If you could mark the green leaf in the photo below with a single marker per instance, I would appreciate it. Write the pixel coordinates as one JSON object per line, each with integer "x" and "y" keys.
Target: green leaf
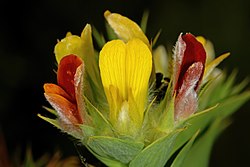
{"x": 199, "y": 154}
{"x": 232, "y": 104}
{"x": 196, "y": 122}
{"x": 178, "y": 161}
{"x": 107, "y": 161}
{"x": 114, "y": 148}
{"x": 87, "y": 131}
{"x": 239, "y": 87}
{"x": 157, "y": 153}
{"x": 200, "y": 120}
{"x": 226, "y": 87}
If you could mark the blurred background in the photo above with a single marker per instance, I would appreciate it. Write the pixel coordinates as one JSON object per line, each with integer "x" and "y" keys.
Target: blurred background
{"x": 29, "y": 31}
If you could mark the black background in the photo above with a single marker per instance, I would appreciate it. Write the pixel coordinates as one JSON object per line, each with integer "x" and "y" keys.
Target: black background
{"x": 29, "y": 30}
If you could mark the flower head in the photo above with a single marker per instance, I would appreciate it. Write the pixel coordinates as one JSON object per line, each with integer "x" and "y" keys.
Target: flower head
{"x": 133, "y": 105}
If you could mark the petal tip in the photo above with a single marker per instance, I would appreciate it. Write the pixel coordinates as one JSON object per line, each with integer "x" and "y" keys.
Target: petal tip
{"x": 107, "y": 13}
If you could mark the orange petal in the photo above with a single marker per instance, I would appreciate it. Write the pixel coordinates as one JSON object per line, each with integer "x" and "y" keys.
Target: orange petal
{"x": 55, "y": 89}
{"x": 67, "y": 111}
{"x": 66, "y": 73}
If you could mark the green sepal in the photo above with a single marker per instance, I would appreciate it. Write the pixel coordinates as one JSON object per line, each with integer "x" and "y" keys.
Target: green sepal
{"x": 157, "y": 153}
{"x": 199, "y": 154}
{"x": 114, "y": 148}
{"x": 52, "y": 111}
{"x": 110, "y": 32}
{"x": 99, "y": 38}
{"x": 156, "y": 38}
{"x": 144, "y": 21}
{"x": 178, "y": 161}
{"x": 239, "y": 87}
{"x": 101, "y": 124}
{"x": 232, "y": 104}
{"x": 50, "y": 120}
{"x": 96, "y": 92}
{"x": 219, "y": 89}
{"x": 167, "y": 119}
{"x": 92, "y": 78}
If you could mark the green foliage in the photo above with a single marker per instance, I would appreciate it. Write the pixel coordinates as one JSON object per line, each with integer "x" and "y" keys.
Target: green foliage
{"x": 157, "y": 153}
{"x": 199, "y": 153}
{"x": 115, "y": 149}
{"x": 185, "y": 151}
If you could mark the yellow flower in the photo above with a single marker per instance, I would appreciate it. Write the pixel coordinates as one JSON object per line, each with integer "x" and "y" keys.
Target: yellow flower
{"x": 125, "y": 70}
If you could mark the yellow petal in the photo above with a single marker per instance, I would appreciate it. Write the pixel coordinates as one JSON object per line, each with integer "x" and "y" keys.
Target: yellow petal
{"x": 138, "y": 71}
{"x": 112, "y": 66}
{"x": 125, "y": 28}
{"x": 126, "y": 68}
{"x": 202, "y": 40}
{"x": 115, "y": 101}
{"x": 210, "y": 67}
{"x": 208, "y": 45}
{"x": 71, "y": 44}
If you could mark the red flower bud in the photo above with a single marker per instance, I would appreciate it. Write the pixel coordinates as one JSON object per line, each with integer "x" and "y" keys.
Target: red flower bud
{"x": 189, "y": 66}
{"x": 63, "y": 97}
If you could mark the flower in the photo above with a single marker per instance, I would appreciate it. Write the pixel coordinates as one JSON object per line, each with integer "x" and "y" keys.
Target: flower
{"x": 189, "y": 64}
{"x": 125, "y": 69}
{"x": 66, "y": 96}
{"x": 125, "y": 104}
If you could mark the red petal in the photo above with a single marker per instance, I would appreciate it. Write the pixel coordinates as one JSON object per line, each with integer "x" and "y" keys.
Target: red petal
{"x": 66, "y": 73}
{"x": 194, "y": 52}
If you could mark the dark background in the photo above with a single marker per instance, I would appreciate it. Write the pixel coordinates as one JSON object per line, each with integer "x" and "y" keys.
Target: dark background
{"x": 28, "y": 33}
